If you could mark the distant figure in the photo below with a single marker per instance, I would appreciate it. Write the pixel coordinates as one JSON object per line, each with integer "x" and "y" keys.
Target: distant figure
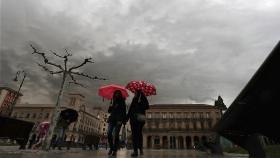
{"x": 41, "y": 138}
{"x": 117, "y": 117}
{"x": 136, "y": 115}
{"x": 32, "y": 141}
{"x": 60, "y": 129}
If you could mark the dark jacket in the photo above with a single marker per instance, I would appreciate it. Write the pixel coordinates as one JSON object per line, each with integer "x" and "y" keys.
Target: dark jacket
{"x": 117, "y": 111}
{"x": 137, "y": 107}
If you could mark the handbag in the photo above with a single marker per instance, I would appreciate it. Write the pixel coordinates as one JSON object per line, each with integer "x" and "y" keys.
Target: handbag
{"x": 141, "y": 117}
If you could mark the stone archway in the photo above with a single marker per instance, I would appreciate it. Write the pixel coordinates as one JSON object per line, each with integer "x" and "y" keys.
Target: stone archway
{"x": 180, "y": 142}
{"x": 172, "y": 142}
{"x": 196, "y": 141}
{"x": 204, "y": 140}
{"x": 149, "y": 142}
{"x": 164, "y": 142}
{"x": 188, "y": 142}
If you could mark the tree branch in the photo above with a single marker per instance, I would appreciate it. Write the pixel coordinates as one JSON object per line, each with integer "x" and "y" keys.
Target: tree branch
{"x": 87, "y": 60}
{"x": 35, "y": 51}
{"x": 75, "y": 81}
{"x": 90, "y": 77}
{"x": 56, "y": 54}
{"x": 48, "y": 70}
{"x": 65, "y": 62}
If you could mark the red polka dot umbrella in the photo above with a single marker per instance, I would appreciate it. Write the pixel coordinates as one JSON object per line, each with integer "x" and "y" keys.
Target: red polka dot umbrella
{"x": 147, "y": 88}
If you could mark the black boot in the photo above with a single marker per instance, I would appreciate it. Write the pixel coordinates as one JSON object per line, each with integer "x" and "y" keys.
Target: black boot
{"x": 134, "y": 154}
{"x": 141, "y": 152}
{"x": 114, "y": 153}
{"x": 110, "y": 152}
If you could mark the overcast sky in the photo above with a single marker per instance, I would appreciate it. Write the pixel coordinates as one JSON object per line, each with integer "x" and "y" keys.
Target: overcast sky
{"x": 191, "y": 50}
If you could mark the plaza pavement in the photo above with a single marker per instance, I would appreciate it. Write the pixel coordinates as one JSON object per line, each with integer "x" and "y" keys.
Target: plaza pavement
{"x": 12, "y": 152}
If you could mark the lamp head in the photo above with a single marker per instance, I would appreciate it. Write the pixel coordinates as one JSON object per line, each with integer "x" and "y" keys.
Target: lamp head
{"x": 15, "y": 79}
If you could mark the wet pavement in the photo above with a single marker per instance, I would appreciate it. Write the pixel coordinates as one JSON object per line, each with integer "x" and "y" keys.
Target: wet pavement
{"x": 102, "y": 153}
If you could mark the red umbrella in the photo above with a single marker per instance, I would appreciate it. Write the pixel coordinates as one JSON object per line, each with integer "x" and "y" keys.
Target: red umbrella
{"x": 147, "y": 88}
{"x": 108, "y": 91}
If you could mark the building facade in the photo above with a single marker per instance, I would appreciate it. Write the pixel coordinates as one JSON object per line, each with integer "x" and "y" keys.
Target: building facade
{"x": 7, "y": 100}
{"x": 179, "y": 126}
{"x": 88, "y": 123}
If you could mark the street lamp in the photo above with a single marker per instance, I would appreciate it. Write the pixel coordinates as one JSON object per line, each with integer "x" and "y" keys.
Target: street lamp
{"x": 17, "y": 94}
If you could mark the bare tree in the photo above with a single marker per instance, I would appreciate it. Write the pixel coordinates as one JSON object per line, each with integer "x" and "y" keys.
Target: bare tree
{"x": 65, "y": 71}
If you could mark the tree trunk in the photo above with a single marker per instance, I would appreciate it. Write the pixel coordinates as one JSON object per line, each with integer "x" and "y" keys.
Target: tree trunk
{"x": 55, "y": 116}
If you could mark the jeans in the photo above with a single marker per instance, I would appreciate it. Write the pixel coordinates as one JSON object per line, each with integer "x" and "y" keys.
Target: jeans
{"x": 114, "y": 130}
{"x": 137, "y": 136}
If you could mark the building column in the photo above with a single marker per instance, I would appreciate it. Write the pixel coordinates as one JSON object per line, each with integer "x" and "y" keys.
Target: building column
{"x": 168, "y": 147}
{"x": 192, "y": 141}
{"x": 170, "y": 142}
{"x": 144, "y": 141}
{"x": 177, "y": 142}
{"x": 153, "y": 142}
{"x": 161, "y": 141}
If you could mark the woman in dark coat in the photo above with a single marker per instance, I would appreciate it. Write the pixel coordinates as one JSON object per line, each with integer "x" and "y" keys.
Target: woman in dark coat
{"x": 136, "y": 114}
{"x": 117, "y": 117}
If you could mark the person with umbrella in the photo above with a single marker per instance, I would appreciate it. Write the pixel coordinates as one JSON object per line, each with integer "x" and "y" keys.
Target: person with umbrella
{"x": 42, "y": 131}
{"x": 117, "y": 117}
{"x": 137, "y": 112}
{"x": 136, "y": 115}
{"x": 66, "y": 117}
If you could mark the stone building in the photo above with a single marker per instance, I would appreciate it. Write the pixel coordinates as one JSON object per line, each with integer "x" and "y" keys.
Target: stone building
{"x": 179, "y": 126}
{"x": 88, "y": 123}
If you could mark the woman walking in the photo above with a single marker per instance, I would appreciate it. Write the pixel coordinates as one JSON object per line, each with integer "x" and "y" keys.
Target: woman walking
{"x": 136, "y": 115}
{"x": 117, "y": 117}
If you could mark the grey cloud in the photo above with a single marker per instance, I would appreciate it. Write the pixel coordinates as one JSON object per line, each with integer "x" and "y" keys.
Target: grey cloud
{"x": 191, "y": 50}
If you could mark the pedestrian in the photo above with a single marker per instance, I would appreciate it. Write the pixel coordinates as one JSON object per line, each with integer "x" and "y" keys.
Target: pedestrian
{"x": 32, "y": 141}
{"x": 137, "y": 117}
{"x": 60, "y": 129}
{"x": 117, "y": 117}
{"x": 41, "y": 138}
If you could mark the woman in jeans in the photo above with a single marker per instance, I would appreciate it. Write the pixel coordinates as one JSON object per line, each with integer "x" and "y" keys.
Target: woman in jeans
{"x": 117, "y": 117}
{"x": 136, "y": 115}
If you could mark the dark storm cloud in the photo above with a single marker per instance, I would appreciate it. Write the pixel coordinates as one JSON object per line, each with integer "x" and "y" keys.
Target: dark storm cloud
{"x": 191, "y": 50}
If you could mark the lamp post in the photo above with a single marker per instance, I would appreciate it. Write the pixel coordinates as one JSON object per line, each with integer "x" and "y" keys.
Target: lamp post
{"x": 18, "y": 91}
{"x": 83, "y": 110}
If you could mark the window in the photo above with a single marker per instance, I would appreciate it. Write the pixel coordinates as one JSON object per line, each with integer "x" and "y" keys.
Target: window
{"x": 47, "y": 115}
{"x": 164, "y": 115}
{"x": 40, "y": 115}
{"x": 193, "y": 115}
{"x": 201, "y": 125}
{"x": 185, "y": 115}
{"x": 27, "y": 115}
{"x": 178, "y": 115}
{"x": 34, "y": 115}
{"x": 188, "y": 115}
{"x": 187, "y": 125}
{"x": 171, "y": 115}
{"x": 194, "y": 126}
{"x": 207, "y": 115}
{"x": 201, "y": 115}
{"x": 149, "y": 115}
{"x": 156, "y": 140}
{"x": 157, "y": 115}
{"x": 209, "y": 124}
